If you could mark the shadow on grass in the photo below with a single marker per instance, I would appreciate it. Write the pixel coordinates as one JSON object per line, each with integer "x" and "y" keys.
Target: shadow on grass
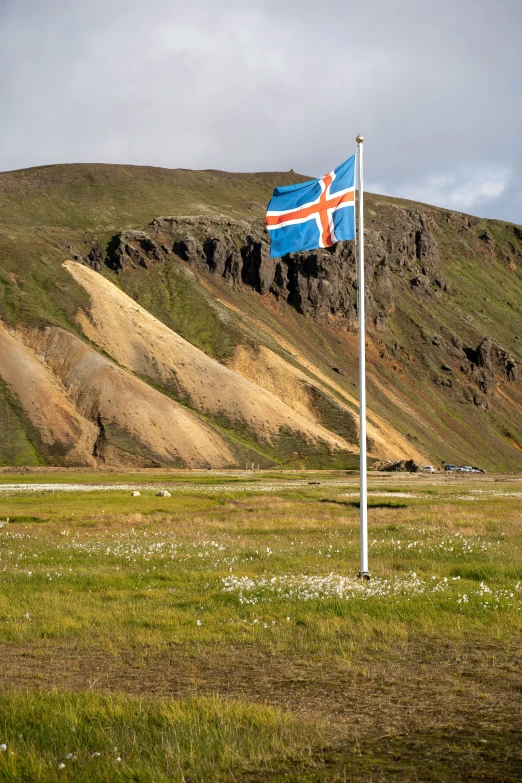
{"x": 439, "y": 756}
{"x": 356, "y": 504}
{"x": 25, "y": 520}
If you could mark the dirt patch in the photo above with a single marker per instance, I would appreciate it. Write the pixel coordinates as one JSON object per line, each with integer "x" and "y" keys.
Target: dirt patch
{"x": 265, "y": 368}
{"x": 447, "y": 755}
{"x": 402, "y": 690}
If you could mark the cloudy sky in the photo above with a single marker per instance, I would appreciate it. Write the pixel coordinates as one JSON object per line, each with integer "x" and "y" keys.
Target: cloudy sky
{"x": 435, "y": 87}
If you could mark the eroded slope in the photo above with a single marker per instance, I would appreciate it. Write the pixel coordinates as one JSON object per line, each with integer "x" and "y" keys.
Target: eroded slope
{"x": 88, "y": 411}
{"x": 139, "y": 341}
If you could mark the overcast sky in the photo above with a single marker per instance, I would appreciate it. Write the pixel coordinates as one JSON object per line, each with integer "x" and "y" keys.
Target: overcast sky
{"x": 435, "y": 87}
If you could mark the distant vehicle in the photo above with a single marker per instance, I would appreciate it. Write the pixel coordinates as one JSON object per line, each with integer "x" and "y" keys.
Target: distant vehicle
{"x": 428, "y": 469}
{"x": 463, "y": 469}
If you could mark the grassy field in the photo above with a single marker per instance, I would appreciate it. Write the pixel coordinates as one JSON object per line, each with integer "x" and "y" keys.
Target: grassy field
{"x": 222, "y": 634}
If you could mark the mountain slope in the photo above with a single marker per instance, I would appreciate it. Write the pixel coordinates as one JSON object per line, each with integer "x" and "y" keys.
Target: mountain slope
{"x": 62, "y": 434}
{"x": 261, "y": 353}
{"x": 135, "y": 424}
{"x": 143, "y": 344}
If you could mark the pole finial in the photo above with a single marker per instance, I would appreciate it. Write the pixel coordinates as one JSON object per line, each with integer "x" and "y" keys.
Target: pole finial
{"x": 359, "y": 139}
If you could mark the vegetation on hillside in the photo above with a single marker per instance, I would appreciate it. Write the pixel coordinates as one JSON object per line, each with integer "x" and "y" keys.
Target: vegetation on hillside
{"x": 421, "y": 378}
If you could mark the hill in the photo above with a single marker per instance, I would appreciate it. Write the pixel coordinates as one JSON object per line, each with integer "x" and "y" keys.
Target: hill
{"x": 85, "y": 195}
{"x": 178, "y": 341}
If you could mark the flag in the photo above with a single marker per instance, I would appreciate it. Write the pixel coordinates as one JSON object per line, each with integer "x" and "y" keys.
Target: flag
{"x": 313, "y": 214}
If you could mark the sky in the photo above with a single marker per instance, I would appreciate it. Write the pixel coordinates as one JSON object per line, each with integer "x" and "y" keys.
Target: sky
{"x": 273, "y": 85}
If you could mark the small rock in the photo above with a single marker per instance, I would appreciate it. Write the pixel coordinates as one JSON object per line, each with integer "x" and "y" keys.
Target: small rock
{"x": 511, "y": 369}
{"x": 408, "y": 465}
{"x": 163, "y": 493}
{"x": 483, "y": 353}
{"x": 188, "y": 250}
{"x": 95, "y": 259}
{"x": 481, "y": 401}
{"x": 421, "y": 282}
{"x": 135, "y": 494}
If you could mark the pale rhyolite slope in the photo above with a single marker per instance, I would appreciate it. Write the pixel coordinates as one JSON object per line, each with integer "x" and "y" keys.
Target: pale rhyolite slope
{"x": 65, "y": 433}
{"x": 139, "y": 341}
{"x": 271, "y": 371}
{"x": 99, "y": 388}
{"x": 389, "y": 443}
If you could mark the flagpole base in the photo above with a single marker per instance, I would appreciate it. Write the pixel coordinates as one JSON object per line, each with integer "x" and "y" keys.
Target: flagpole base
{"x": 364, "y": 575}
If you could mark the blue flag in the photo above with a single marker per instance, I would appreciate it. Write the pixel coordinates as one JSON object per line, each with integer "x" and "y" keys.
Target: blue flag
{"x": 313, "y": 214}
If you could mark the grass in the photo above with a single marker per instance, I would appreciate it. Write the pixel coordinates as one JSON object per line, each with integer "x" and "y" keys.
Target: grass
{"x": 205, "y": 621}
{"x": 174, "y": 295}
{"x": 17, "y": 448}
{"x": 209, "y": 554}
{"x": 95, "y": 738}
{"x": 34, "y": 287}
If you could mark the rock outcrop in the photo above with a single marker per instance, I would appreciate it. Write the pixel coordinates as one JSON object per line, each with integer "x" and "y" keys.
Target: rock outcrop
{"x": 398, "y": 466}
{"x": 321, "y": 284}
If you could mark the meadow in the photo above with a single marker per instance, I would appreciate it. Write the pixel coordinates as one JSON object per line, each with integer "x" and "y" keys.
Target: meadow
{"x": 222, "y": 633}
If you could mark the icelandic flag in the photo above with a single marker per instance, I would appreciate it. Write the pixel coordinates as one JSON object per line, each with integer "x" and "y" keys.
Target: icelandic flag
{"x": 313, "y": 214}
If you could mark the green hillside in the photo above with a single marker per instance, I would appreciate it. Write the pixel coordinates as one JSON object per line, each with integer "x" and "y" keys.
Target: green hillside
{"x": 90, "y": 196}
{"x": 439, "y": 283}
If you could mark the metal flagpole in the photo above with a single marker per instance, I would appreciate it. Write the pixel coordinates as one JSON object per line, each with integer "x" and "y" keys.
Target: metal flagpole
{"x": 363, "y": 570}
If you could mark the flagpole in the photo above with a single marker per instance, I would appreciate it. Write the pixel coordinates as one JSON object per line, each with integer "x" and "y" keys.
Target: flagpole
{"x": 363, "y": 499}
